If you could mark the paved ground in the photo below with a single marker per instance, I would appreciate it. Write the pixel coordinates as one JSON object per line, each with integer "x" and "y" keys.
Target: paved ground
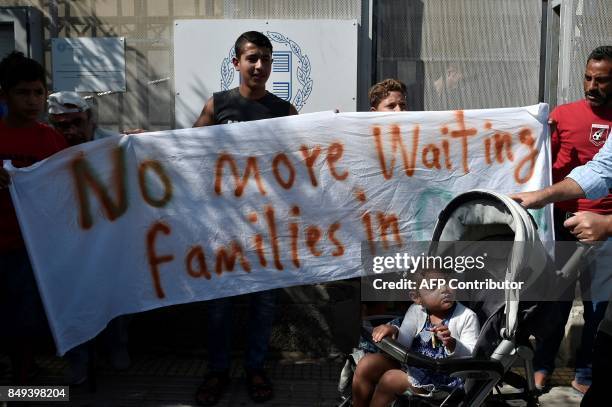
{"x": 561, "y": 396}
{"x": 167, "y": 380}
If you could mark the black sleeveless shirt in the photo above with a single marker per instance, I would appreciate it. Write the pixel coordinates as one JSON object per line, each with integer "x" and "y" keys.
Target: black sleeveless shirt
{"x": 230, "y": 106}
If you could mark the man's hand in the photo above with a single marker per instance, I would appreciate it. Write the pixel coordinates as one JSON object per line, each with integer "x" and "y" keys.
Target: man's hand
{"x": 382, "y": 331}
{"x": 443, "y": 333}
{"x": 590, "y": 227}
{"x": 5, "y": 178}
{"x": 531, "y": 200}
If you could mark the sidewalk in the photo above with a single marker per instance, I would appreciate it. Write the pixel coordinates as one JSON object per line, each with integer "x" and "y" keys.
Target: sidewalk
{"x": 171, "y": 380}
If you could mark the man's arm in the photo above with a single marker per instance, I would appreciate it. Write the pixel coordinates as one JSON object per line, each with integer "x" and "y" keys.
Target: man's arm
{"x": 207, "y": 117}
{"x": 561, "y": 191}
{"x": 592, "y": 180}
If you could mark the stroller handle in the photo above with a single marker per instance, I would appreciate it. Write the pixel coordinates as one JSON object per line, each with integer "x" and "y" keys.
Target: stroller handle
{"x": 570, "y": 268}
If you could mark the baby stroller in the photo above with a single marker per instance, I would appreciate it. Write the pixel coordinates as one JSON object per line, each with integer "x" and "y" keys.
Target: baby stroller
{"x": 507, "y": 321}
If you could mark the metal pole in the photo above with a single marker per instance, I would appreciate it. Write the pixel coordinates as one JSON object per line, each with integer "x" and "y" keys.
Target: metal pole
{"x": 565, "y": 50}
{"x": 543, "y": 52}
{"x": 53, "y": 15}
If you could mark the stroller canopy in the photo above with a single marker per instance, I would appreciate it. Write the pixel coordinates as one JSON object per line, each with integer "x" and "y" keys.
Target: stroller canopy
{"x": 487, "y": 216}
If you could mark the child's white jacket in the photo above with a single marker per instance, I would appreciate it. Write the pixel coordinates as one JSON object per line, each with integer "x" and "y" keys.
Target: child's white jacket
{"x": 463, "y": 325}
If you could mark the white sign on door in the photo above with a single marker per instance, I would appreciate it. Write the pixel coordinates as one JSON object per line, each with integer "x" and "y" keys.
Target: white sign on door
{"x": 89, "y": 64}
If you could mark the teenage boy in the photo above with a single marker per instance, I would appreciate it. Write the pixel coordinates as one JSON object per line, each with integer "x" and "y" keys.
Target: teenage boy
{"x": 23, "y": 141}
{"x": 249, "y": 101}
{"x": 388, "y": 95}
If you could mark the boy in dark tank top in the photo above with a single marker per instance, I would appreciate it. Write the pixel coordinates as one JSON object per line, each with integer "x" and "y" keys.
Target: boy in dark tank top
{"x": 249, "y": 101}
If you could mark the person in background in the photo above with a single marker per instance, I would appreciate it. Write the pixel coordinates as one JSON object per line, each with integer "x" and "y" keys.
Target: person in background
{"x": 388, "y": 95}
{"x": 592, "y": 180}
{"x": 23, "y": 141}
{"x": 578, "y": 131}
{"x": 72, "y": 116}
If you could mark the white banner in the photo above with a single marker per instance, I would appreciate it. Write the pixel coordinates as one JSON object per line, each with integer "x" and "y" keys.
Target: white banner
{"x": 131, "y": 223}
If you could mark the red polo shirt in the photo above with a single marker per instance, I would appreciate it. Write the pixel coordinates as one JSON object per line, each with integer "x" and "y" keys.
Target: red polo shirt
{"x": 580, "y": 132}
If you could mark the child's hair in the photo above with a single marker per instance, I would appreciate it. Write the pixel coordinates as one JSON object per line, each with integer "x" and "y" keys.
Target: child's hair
{"x": 381, "y": 90}
{"x": 422, "y": 273}
{"x": 16, "y": 67}
{"x": 254, "y": 37}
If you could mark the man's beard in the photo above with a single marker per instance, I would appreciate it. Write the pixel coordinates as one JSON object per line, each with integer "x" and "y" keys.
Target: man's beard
{"x": 601, "y": 99}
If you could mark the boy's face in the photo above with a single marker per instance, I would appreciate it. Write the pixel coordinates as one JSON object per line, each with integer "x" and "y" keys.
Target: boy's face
{"x": 394, "y": 102}
{"x": 26, "y": 101}
{"x": 254, "y": 65}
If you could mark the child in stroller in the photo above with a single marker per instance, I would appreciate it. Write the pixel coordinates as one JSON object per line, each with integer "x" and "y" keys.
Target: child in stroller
{"x": 435, "y": 326}
{"x": 507, "y": 317}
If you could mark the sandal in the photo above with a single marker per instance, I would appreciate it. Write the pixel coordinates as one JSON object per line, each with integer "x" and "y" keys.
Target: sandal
{"x": 259, "y": 387}
{"x": 212, "y": 389}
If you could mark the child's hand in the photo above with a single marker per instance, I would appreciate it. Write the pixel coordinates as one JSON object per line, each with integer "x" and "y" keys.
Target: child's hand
{"x": 382, "y": 331}
{"x": 443, "y": 333}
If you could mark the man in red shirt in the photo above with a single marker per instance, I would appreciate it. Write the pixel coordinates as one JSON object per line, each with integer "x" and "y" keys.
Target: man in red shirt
{"x": 23, "y": 141}
{"x": 579, "y": 129}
